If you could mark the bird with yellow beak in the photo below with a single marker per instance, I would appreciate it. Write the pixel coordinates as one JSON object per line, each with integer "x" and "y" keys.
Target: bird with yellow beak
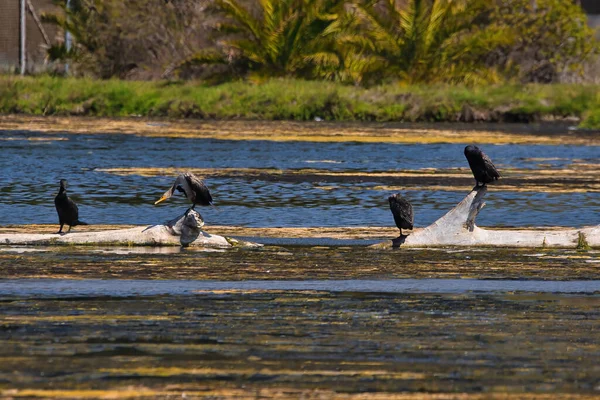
{"x": 194, "y": 189}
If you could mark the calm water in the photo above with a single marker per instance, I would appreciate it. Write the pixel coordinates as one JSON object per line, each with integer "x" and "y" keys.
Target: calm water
{"x": 31, "y": 171}
{"x": 53, "y": 288}
{"x": 182, "y": 320}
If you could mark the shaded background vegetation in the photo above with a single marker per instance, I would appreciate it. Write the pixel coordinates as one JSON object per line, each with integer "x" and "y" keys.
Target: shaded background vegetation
{"x": 363, "y": 42}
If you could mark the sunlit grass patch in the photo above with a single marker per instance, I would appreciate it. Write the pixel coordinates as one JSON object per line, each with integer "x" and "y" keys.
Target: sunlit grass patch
{"x": 288, "y": 99}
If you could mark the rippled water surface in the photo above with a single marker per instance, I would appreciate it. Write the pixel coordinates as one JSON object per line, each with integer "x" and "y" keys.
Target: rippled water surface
{"x": 295, "y": 319}
{"x": 53, "y": 288}
{"x": 31, "y": 169}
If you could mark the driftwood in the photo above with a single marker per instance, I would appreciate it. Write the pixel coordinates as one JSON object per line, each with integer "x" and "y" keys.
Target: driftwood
{"x": 185, "y": 230}
{"x": 457, "y": 228}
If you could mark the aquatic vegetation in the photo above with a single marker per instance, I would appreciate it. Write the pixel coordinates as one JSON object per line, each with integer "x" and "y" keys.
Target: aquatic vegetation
{"x": 577, "y": 178}
{"x": 296, "y": 131}
{"x": 233, "y": 345}
{"x": 297, "y": 262}
{"x": 582, "y": 244}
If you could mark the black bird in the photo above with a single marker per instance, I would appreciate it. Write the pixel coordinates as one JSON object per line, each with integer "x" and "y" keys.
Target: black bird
{"x": 483, "y": 169}
{"x": 68, "y": 213}
{"x": 193, "y": 188}
{"x": 402, "y": 211}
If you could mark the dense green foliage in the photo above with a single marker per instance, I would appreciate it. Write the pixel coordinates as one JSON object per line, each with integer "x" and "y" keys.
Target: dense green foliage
{"x": 591, "y": 118}
{"x": 283, "y": 41}
{"x": 352, "y": 41}
{"x": 277, "y": 99}
{"x": 543, "y": 40}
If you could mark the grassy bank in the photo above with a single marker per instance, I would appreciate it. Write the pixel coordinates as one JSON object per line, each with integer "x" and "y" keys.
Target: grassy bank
{"x": 299, "y": 100}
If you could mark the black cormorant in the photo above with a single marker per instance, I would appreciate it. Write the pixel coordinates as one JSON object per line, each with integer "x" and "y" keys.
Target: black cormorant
{"x": 68, "y": 213}
{"x": 483, "y": 169}
{"x": 193, "y": 188}
{"x": 402, "y": 211}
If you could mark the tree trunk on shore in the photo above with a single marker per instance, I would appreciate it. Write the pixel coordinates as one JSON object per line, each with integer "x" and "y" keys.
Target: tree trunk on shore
{"x": 185, "y": 230}
{"x": 457, "y": 228}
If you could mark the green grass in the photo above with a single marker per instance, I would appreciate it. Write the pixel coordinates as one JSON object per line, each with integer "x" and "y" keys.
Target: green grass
{"x": 279, "y": 99}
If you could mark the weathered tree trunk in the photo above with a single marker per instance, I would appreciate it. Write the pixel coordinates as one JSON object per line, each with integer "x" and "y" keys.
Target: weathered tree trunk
{"x": 185, "y": 230}
{"x": 457, "y": 228}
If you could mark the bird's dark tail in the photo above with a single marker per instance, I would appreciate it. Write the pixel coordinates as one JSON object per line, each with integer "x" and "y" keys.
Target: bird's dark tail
{"x": 80, "y": 223}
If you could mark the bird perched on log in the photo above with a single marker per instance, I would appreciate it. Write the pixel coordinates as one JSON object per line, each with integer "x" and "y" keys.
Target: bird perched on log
{"x": 402, "y": 211}
{"x": 483, "y": 169}
{"x": 193, "y": 188}
{"x": 68, "y": 213}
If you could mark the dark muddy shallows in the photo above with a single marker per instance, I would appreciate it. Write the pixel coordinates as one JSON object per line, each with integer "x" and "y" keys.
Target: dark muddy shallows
{"x": 281, "y": 196}
{"x": 56, "y": 288}
{"x": 238, "y": 345}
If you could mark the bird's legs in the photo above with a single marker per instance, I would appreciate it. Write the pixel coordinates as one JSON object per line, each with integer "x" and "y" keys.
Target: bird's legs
{"x": 477, "y": 185}
{"x": 190, "y": 209}
{"x": 399, "y": 240}
{"x": 60, "y": 230}
{"x": 69, "y": 229}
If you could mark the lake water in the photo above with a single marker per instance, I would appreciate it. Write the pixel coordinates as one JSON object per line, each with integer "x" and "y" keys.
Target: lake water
{"x": 56, "y": 288}
{"x": 296, "y": 318}
{"x": 31, "y": 169}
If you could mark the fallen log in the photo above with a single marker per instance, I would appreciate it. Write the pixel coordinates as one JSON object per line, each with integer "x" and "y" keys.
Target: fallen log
{"x": 185, "y": 230}
{"x": 457, "y": 228}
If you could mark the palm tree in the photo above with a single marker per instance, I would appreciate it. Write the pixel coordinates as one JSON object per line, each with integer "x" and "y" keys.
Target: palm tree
{"x": 277, "y": 38}
{"x": 423, "y": 40}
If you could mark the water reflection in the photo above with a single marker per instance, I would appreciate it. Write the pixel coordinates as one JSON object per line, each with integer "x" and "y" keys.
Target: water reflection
{"x": 32, "y": 168}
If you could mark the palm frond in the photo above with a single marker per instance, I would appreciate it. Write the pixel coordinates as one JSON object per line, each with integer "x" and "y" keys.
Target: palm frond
{"x": 435, "y": 21}
{"x": 380, "y": 30}
{"x": 408, "y": 17}
{"x": 208, "y": 56}
{"x": 240, "y": 15}
{"x": 54, "y": 19}
{"x": 226, "y": 28}
{"x": 323, "y": 59}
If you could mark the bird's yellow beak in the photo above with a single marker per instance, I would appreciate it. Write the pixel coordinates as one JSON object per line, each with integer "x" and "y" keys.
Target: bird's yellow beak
{"x": 161, "y": 199}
